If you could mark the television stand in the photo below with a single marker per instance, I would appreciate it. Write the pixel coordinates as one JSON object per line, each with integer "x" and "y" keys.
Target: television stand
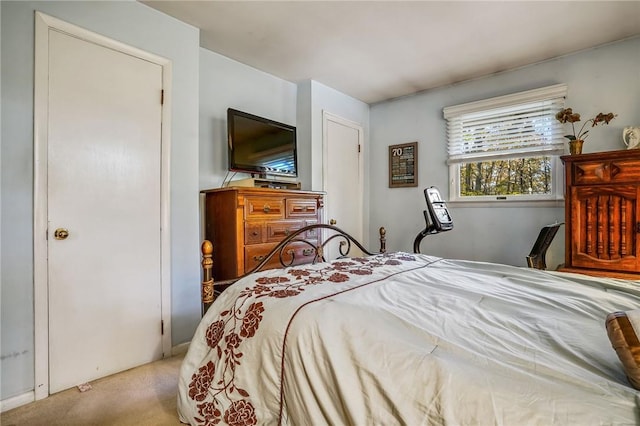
{"x": 265, "y": 183}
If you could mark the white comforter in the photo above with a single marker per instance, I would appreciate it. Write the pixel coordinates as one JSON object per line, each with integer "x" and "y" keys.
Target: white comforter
{"x": 409, "y": 339}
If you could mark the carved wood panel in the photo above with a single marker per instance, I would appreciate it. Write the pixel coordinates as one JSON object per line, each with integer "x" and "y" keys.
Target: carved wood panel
{"x": 603, "y": 226}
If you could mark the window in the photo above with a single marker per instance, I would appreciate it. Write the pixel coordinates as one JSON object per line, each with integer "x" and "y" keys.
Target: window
{"x": 507, "y": 148}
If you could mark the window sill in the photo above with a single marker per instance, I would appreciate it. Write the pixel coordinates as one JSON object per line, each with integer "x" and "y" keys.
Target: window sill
{"x": 507, "y": 203}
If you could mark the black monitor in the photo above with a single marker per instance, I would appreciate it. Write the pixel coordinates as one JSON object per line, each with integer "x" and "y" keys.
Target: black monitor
{"x": 261, "y": 146}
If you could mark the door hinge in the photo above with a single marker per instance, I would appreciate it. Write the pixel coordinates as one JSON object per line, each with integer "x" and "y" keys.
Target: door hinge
{"x": 162, "y": 97}
{"x": 162, "y": 327}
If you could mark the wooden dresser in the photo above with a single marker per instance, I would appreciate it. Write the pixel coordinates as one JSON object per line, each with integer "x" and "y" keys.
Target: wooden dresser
{"x": 245, "y": 223}
{"x": 602, "y": 214}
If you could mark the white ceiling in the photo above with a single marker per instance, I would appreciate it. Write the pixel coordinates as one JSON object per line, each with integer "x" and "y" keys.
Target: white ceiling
{"x": 377, "y": 50}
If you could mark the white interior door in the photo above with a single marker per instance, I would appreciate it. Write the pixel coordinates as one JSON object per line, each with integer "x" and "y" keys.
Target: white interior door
{"x": 343, "y": 177}
{"x": 104, "y": 187}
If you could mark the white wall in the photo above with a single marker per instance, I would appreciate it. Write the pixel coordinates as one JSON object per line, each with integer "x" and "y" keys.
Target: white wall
{"x": 1, "y": 317}
{"x": 602, "y": 79}
{"x": 305, "y": 137}
{"x": 225, "y": 83}
{"x": 137, "y": 25}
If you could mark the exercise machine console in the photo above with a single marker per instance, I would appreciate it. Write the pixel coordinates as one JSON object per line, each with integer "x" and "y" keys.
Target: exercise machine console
{"x": 436, "y": 216}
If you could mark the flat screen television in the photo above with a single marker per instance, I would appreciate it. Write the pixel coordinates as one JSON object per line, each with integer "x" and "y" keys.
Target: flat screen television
{"x": 261, "y": 146}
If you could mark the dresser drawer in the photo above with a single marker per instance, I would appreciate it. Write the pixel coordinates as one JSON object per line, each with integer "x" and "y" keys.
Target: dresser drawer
{"x": 252, "y": 233}
{"x": 279, "y": 230}
{"x": 253, "y": 255}
{"x": 625, "y": 171}
{"x": 264, "y": 207}
{"x": 594, "y": 172}
{"x": 302, "y": 208}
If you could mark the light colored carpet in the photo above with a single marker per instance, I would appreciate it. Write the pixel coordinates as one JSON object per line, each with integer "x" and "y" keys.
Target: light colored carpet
{"x": 143, "y": 396}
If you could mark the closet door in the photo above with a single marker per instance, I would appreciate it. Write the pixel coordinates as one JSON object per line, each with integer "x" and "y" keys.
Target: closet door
{"x": 343, "y": 177}
{"x": 104, "y": 210}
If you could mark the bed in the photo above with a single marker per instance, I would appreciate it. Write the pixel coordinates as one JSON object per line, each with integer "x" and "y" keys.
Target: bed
{"x": 411, "y": 339}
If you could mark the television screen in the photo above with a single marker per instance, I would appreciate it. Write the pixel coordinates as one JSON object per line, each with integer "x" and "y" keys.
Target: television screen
{"x": 259, "y": 145}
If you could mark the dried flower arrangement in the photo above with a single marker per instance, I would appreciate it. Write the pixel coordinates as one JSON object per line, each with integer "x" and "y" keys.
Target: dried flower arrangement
{"x": 568, "y": 116}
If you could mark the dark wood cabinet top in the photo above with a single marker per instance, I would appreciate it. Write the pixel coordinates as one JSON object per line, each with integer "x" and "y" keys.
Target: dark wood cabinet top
{"x": 632, "y": 154}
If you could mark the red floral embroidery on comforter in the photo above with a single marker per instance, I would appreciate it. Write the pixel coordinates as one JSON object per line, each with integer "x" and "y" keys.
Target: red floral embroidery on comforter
{"x": 213, "y": 387}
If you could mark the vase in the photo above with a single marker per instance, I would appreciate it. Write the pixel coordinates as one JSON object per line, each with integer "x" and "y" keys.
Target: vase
{"x": 575, "y": 146}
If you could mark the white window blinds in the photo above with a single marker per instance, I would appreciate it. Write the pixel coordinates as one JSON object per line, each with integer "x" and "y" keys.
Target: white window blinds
{"x": 509, "y": 126}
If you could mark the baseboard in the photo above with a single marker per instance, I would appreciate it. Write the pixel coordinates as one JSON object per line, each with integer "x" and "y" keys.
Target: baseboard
{"x": 180, "y": 349}
{"x": 17, "y": 401}
{"x": 28, "y": 397}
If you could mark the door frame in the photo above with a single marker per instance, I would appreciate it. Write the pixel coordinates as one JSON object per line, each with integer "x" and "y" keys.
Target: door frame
{"x": 43, "y": 25}
{"x": 330, "y": 117}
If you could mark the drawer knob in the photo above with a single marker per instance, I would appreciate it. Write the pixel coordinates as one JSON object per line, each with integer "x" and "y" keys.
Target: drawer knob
{"x": 258, "y": 258}
{"x": 254, "y": 233}
{"x": 307, "y": 252}
{"x": 266, "y": 208}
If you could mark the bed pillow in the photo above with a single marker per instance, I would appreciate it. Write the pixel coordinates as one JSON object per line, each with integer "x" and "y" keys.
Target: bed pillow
{"x": 623, "y": 328}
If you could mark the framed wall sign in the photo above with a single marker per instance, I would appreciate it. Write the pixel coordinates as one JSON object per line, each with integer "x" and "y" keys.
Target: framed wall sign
{"x": 403, "y": 165}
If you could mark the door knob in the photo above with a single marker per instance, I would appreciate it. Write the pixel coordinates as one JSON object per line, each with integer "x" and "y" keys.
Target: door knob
{"x": 332, "y": 222}
{"x": 61, "y": 234}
